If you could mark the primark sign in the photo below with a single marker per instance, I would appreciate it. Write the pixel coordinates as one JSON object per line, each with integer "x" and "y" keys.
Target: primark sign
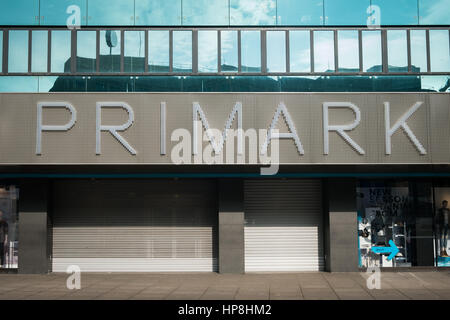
{"x": 224, "y": 128}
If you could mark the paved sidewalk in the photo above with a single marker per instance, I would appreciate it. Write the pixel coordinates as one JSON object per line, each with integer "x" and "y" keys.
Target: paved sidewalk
{"x": 213, "y": 286}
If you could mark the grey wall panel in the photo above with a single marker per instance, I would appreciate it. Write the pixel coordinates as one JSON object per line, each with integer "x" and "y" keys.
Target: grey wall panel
{"x": 77, "y": 145}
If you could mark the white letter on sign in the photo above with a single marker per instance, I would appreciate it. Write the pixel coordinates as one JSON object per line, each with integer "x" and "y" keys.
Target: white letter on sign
{"x": 340, "y": 128}
{"x": 113, "y": 129}
{"x": 275, "y": 135}
{"x": 197, "y": 111}
{"x": 40, "y": 127}
{"x": 401, "y": 123}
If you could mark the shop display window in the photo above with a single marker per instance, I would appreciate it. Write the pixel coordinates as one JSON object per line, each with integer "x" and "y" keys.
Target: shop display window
{"x": 441, "y": 224}
{"x": 9, "y": 226}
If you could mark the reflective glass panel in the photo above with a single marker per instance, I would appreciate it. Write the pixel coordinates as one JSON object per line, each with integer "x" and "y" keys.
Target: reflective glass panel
{"x": 348, "y": 53}
{"x": 229, "y": 47}
{"x": 250, "y": 51}
{"x": 18, "y": 51}
{"x": 397, "y": 51}
{"x": 182, "y": 51}
{"x": 86, "y": 51}
{"x": 295, "y": 12}
{"x": 158, "y": 12}
{"x": 207, "y": 51}
{"x": 1, "y": 51}
{"x": 110, "y": 43}
{"x": 439, "y": 51}
{"x": 158, "y": 51}
{"x": 205, "y": 12}
{"x": 134, "y": 54}
{"x": 252, "y": 12}
{"x": 18, "y": 84}
{"x": 54, "y": 12}
{"x": 39, "y": 49}
{"x": 110, "y": 13}
{"x": 9, "y": 227}
{"x": 346, "y": 12}
{"x": 60, "y": 53}
{"x": 398, "y": 12}
{"x": 371, "y": 50}
{"x": 434, "y": 12}
{"x": 299, "y": 51}
{"x": 19, "y": 12}
{"x": 418, "y": 51}
{"x": 276, "y": 51}
{"x": 323, "y": 51}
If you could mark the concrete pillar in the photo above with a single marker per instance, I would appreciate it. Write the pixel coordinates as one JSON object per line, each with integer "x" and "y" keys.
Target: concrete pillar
{"x": 231, "y": 226}
{"x": 341, "y": 234}
{"x": 34, "y": 228}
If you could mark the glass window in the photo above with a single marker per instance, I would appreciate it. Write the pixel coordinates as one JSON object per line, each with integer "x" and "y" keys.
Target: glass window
{"x": 397, "y": 51}
{"x": 418, "y": 51}
{"x": 253, "y": 12}
{"x": 19, "y": 12}
{"x": 295, "y": 13}
{"x": 205, "y": 12}
{"x": 207, "y": 51}
{"x": 395, "y": 213}
{"x": 134, "y": 51}
{"x": 18, "y": 84}
{"x": 158, "y": 12}
{"x": 39, "y": 49}
{"x": 110, "y": 13}
{"x": 441, "y": 223}
{"x": 348, "y": 51}
{"x": 398, "y": 12}
{"x": 86, "y": 51}
{"x": 371, "y": 51}
{"x": 182, "y": 51}
{"x": 9, "y": 227}
{"x": 61, "y": 50}
{"x": 434, "y": 12}
{"x": 299, "y": 51}
{"x": 54, "y": 12}
{"x": 439, "y": 51}
{"x": 110, "y": 43}
{"x": 346, "y": 12}
{"x": 276, "y": 51}
{"x": 229, "y": 47}
{"x": 1, "y": 51}
{"x": 158, "y": 51}
{"x": 250, "y": 51}
{"x": 18, "y": 51}
{"x": 323, "y": 51}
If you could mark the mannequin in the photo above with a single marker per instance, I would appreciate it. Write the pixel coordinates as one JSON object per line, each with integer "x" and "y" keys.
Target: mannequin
{"x": 442, "y": 220}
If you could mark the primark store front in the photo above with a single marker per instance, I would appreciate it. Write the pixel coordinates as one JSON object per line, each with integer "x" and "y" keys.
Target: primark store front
{"x": 224, "y": 136}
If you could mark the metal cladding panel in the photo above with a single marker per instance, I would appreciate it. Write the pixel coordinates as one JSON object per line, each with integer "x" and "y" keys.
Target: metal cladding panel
{"x": 283, "y": 225}
{"x": 142, "y": 226}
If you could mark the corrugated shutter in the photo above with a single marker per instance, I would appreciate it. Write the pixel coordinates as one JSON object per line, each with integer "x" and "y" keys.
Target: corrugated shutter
{"x": 283, "y": 230}
{"x": 135, "y": 225}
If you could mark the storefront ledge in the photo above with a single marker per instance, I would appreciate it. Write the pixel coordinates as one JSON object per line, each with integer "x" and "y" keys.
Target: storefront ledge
{"x": 409, "y": 269}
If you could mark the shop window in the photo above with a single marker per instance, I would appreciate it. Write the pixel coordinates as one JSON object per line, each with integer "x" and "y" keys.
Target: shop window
{"x": 395, "y": 212}
{"x": 9, "y": 227}
{"x": 441, "y": 224}
{"x": 110, "y": 47}
{"x": 229, "y": 48}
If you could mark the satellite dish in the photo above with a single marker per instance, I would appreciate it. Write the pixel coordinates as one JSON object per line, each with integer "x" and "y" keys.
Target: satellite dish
{"x": 111, "y": 38}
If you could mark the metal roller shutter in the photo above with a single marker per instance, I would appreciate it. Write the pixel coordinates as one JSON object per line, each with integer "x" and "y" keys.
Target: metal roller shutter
{"x": 142, "y": 226}
{"x": 283, "y": 230}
